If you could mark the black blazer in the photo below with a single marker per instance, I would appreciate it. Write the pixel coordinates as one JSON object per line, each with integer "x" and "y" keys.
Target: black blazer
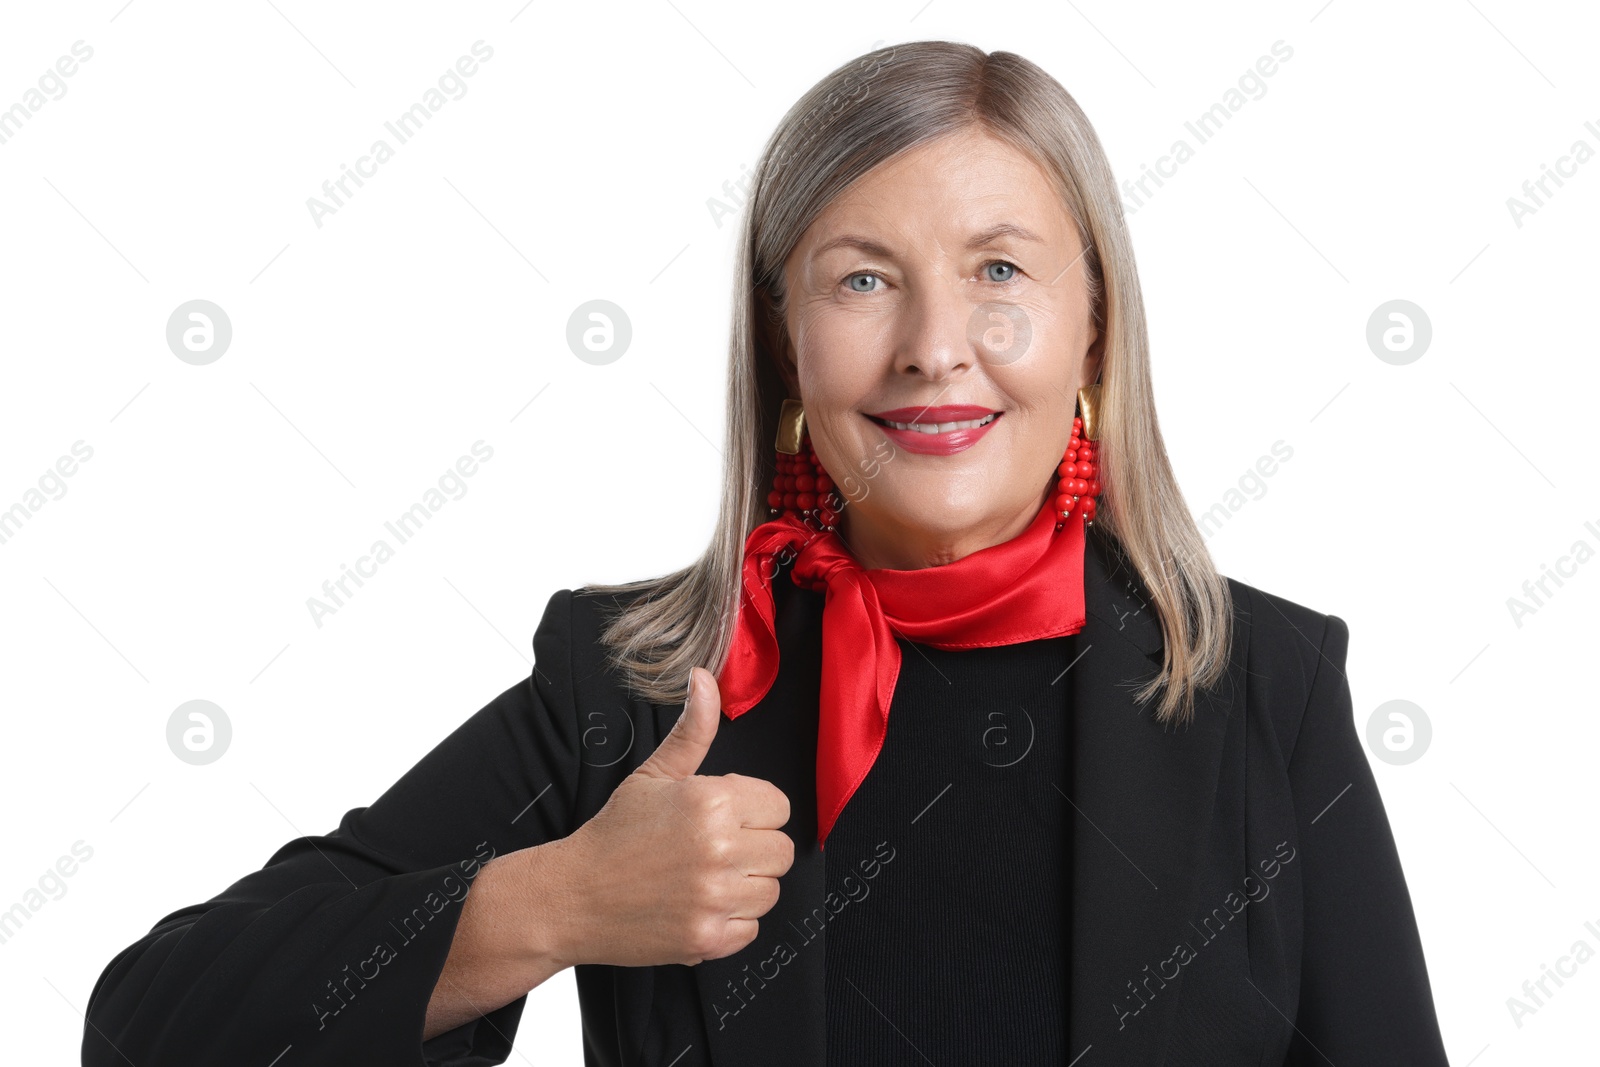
{"x": 1237, "y": 896}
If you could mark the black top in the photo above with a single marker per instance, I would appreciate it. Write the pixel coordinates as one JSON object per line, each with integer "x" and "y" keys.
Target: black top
{"x": 948, "y": 868}
{"x": 1236, "y": 892}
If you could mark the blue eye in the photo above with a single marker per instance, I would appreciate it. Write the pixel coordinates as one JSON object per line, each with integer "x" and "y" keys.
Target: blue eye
{"x": 862, "y": 281}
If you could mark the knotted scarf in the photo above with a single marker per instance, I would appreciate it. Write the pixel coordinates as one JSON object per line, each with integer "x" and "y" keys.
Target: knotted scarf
{"x": 1027, "y": 588}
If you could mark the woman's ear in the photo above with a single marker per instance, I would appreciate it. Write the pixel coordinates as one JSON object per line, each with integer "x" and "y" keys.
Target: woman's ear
{"x": 1094, "y": 358}
{"x": 776, "y": 335}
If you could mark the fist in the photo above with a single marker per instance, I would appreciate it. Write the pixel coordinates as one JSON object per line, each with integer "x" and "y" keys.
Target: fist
{"x": 677, "y": 867}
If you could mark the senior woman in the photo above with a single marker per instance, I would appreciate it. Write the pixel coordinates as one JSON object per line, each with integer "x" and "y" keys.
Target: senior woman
{"x": 953, "y": 747}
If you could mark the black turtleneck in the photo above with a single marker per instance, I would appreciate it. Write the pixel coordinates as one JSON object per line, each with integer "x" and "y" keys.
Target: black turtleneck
{"x": 950, "y": 945}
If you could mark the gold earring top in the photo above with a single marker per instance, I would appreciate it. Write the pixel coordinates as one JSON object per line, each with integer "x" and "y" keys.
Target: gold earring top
{"x": 791, "y": 426}
{"x": 1089, "y": 411}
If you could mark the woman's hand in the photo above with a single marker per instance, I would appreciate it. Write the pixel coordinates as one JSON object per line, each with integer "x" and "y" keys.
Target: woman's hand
{"x": 677, "y": 867}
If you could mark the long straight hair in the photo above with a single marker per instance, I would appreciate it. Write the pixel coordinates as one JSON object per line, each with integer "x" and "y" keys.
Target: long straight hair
{"x": 864, "y": 113}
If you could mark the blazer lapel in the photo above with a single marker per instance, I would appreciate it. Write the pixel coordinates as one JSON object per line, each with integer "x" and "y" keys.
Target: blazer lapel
{"x": 767, "y": 1002}
{"x": 1142, "y": 796}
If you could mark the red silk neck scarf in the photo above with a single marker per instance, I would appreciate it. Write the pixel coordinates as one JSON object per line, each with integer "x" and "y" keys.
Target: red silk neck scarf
{"x": 1024, "y": 589}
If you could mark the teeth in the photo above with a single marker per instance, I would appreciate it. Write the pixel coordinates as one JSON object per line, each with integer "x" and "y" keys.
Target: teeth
{"x": 943, "y": 427}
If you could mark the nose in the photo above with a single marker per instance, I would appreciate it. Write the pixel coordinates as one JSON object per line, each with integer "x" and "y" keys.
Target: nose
{"x": 933, "y": 341}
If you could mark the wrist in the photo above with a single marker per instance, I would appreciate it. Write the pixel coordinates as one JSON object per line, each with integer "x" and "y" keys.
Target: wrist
{"x": 548, "y": 907}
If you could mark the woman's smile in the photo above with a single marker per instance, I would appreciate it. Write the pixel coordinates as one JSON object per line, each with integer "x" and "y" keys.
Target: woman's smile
{"x": 937, "y": 431}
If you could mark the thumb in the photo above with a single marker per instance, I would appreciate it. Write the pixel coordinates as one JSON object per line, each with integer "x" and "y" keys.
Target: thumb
{"x": 680, "y": 753}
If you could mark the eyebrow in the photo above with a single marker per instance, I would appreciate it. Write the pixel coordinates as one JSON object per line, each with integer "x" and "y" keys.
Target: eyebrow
{"x": 977, "y": 240}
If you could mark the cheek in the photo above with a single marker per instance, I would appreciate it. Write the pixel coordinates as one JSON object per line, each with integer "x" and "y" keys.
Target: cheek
{"x": 1041, "y": 386}
{"x": 836, "y": 363}
{"x": 837, "y": 382}
{"x": 1051, "y": 367}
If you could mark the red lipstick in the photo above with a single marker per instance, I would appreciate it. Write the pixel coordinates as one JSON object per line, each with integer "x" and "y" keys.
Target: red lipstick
{"x": 916, "y": 430}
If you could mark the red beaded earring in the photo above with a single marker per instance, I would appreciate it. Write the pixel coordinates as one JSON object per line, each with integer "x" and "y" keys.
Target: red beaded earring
{"x": 801, "y": 484}
{"x": 1078, "y": 476}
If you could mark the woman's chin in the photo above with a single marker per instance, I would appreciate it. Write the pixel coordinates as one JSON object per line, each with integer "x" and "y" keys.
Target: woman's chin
{"x": 935, "y": 517}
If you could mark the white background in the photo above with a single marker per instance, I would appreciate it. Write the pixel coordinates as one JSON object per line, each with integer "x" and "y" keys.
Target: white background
{"x": 430, "y": 312}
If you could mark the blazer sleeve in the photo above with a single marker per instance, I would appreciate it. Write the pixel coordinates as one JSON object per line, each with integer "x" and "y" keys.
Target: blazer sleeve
{"x": 1364, "y": 991}
{"x": 332, "y": 950}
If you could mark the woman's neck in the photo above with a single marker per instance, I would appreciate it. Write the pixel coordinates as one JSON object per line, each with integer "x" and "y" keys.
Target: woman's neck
{"x": 878, "y": 544}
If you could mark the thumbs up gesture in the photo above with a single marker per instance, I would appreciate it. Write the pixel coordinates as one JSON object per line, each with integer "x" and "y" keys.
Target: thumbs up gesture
{"x": 677, "y": 867}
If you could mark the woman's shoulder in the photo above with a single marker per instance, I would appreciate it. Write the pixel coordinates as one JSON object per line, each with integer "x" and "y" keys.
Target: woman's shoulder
{"x": 1262, "y": 620}
{"x": 570, "y": 634}
{"x": 591, "y": 604}
{"x": 1263, "y": 611}
{"x": 1284, "y": 631}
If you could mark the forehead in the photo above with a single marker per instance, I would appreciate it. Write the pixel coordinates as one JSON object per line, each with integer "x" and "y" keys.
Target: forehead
{"x": 950, "y": 187}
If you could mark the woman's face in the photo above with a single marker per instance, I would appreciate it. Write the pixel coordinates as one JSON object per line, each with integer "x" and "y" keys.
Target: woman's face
{"x": 948, "y": 277}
